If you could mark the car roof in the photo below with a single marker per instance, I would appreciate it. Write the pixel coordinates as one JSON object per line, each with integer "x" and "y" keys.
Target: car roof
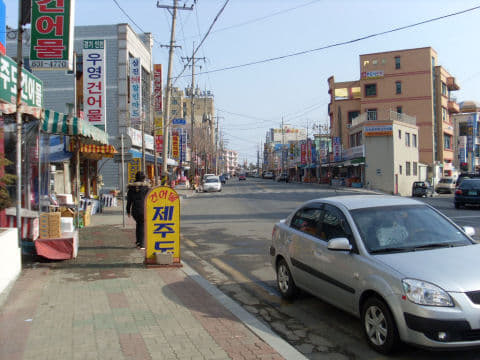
{"x": 352, "y": 202}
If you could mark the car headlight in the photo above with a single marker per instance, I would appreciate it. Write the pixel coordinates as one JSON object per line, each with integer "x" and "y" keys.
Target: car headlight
{"x": 425, "y": 293}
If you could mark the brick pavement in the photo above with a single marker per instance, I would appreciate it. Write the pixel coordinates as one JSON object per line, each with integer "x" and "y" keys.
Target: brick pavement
{"x": 106, "y": 305}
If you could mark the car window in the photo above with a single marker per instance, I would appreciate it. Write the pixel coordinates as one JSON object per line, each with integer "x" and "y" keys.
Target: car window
{"x": 469, "y": 184}
{"x": 405, "y": 227}
{"x": 334, "y": 224}
{"x": 307, "y": 220}
{"x": 211, "y": 180}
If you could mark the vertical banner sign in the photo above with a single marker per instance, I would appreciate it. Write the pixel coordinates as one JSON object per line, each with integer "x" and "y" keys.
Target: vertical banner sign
{"x": 135, "y": 91}
{"x": 157, "y": 87}
{"x": 158, "y": 143}
{"x": 175, "y": 145}
{"x": 162, "y": 223}
{"x": 132, "y": 167}
{"x": 337, "y": 149}
{"x": 3, "y": 29}
{"x": 51, "y": 45}
{"x": 94, "y": 82}
{"x": 303, "y": 153}
{"x": 309, "y": 151}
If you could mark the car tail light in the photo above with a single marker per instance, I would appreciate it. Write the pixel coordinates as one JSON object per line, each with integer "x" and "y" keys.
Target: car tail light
{"x": 273, "y": 232}
{"x": 458, "y": 192}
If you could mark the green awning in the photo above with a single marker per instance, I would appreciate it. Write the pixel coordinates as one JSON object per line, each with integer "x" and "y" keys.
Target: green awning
{"x": 53, "y": 122}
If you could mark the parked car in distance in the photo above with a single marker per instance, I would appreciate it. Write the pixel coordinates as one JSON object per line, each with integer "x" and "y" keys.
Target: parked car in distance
{"x": 421, "y": 188}
{"x": 268, "y": 175}
{"x": 242, "y": 176}
{"x": 445, "y": 185}
{"x": 212, "y": 183}
{"x": 222, "y": 179}
{"x": 205, "y": 176}
{"x": 282, "y": 177}
{"x": 227, "y": 176}
{"x": 468, "y": 193}
{"x": 405, "y": 269}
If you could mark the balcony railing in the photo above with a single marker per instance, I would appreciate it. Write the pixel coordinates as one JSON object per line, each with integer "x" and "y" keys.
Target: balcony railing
{"x": 393, "y": 116}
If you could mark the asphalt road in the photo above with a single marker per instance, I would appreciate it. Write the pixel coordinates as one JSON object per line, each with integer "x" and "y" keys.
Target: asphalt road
{"x": 226, "y": 236}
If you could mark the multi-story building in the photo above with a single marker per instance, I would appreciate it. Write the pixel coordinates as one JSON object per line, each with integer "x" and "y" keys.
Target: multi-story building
{"x": 62, "y": 89}
{"x": 204, "y": 121}
{"x": 230, "y": 161}
{"x": 403, "y": 81}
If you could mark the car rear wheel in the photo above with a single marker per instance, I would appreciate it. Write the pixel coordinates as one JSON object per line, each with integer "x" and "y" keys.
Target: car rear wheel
{"x": 457, "y": 205}
{"x": 379, "y": 327}
{"x": 285, "y": 282}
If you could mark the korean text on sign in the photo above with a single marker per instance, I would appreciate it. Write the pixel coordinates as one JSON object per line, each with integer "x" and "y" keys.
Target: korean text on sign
{"x": 52, "y": 34}
{"x": 135, "y": 91}
{"x": 94, "y": 81}
{"x": 162, "y": 221}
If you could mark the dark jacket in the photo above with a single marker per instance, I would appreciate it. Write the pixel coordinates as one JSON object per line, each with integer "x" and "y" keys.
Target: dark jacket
{"x": 136, "y": 199}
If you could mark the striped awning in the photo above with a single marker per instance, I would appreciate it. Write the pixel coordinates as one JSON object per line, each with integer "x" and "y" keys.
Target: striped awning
{"x": 93, "y": 151}
{"x": 6, "y": 108}
{"x": 53, "y": 122}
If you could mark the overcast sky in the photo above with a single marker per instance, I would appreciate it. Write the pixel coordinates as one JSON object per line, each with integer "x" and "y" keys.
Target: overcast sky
{"x": 251, "y": 99}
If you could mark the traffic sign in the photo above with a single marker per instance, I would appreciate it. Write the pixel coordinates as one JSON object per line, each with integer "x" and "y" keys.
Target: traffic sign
{"x": 126, "y": 157}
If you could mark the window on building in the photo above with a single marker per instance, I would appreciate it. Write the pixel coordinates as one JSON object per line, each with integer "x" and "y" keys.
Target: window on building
{"x": 174, "y": 102}
{"x": 400, "y": 169}
{"x": 407, "y": 139}
{"x": 414, "y": 140}
{"x": 174, "y": 112}
{"x": 372, "y": 114}
{"x": 407, "y": 168}
{"x": 444, "y": 89}
{"x": 397, "y": 62}
{"x": 398, "y": 87}
{"x": 414, "y": 168}
{"x": 444, "y": 114}
{"x": 359, "y": 140}
{"x": 399, "y": 109}
{"x": 371, "y": 90}
{"x": 352, "y": 115}
{"x": 447, "y": 141}
{"x": 399, "y": 134}
{"x": 463, "y": 129}
{"x": 352, "y": 140}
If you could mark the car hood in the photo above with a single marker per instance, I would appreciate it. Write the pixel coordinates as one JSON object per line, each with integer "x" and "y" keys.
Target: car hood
{"x": 453, "y": 269}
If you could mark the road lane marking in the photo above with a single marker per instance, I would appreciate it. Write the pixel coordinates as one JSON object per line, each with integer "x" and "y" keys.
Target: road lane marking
{"x": 464, "y": 217}
{"x": 189, "y": 243}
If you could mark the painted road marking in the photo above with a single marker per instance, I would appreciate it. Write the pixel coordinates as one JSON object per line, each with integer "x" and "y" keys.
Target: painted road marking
{"x": 189, "y": 243}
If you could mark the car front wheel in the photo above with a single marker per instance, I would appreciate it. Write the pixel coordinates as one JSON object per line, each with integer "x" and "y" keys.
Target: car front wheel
{"x": 379, "y": 326}
{"x": 285, "y": 282}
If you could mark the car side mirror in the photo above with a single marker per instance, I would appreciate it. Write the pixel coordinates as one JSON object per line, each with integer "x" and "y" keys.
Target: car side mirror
{"x": 469, "y": 230}
{"x": 339, "y": 244}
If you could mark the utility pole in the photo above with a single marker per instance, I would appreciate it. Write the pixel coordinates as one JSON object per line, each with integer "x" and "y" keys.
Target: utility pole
{"x": 193, "y": 153}
{"x": 283, "y": 145}
{"x": 166, "y": 124}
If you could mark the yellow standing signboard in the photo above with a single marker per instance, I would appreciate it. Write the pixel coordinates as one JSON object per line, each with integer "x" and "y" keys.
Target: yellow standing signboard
{"x": 133, "y": 167}
{"x": 162, "y": 223}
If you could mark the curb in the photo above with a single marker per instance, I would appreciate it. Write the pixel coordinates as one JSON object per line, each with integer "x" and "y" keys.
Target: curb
{"x": 250, "y": 321}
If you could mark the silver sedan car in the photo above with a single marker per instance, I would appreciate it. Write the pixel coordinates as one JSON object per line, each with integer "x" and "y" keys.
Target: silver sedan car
{"x": 407, "y": 271}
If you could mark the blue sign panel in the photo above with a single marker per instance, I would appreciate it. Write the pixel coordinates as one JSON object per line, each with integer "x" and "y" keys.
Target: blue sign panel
{"x": 3, "y": 29}
{"x": 179, "y": 121}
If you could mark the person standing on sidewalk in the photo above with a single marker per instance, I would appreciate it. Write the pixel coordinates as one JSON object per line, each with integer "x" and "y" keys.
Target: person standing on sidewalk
{"x": 135, "y": 206}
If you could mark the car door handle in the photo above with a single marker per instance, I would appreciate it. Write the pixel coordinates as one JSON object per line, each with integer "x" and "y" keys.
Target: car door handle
{"x": 317, "y": 253}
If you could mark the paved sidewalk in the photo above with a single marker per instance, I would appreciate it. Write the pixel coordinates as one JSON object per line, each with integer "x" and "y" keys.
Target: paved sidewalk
{"x": 106, "y": 305}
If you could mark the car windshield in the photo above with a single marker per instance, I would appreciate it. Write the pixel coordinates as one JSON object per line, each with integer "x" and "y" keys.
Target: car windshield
{"x": 446, "y": 181}
{"x": 470, "y": 184}
{"x": 405, "y": 228}
{"x": 419, "y": 184}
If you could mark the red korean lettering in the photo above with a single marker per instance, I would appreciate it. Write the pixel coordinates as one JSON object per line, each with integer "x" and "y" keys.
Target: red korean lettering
{"x": 154, "y": 197}
{"x": 92, "y": 100}
{"x": 45, "y": 25}
{"x": 172, "y": 197}
{"x": 94, "y": 88}
{"x": 94, "y": 115}
{"x": 49, "y": 48}
{"x": 43, "y": 6}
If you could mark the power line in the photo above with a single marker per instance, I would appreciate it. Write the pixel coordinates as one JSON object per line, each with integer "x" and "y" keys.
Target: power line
{"x": 203, "y": 40}
{"x": 262, "y": 17}
{"x": 339, "y": 43}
